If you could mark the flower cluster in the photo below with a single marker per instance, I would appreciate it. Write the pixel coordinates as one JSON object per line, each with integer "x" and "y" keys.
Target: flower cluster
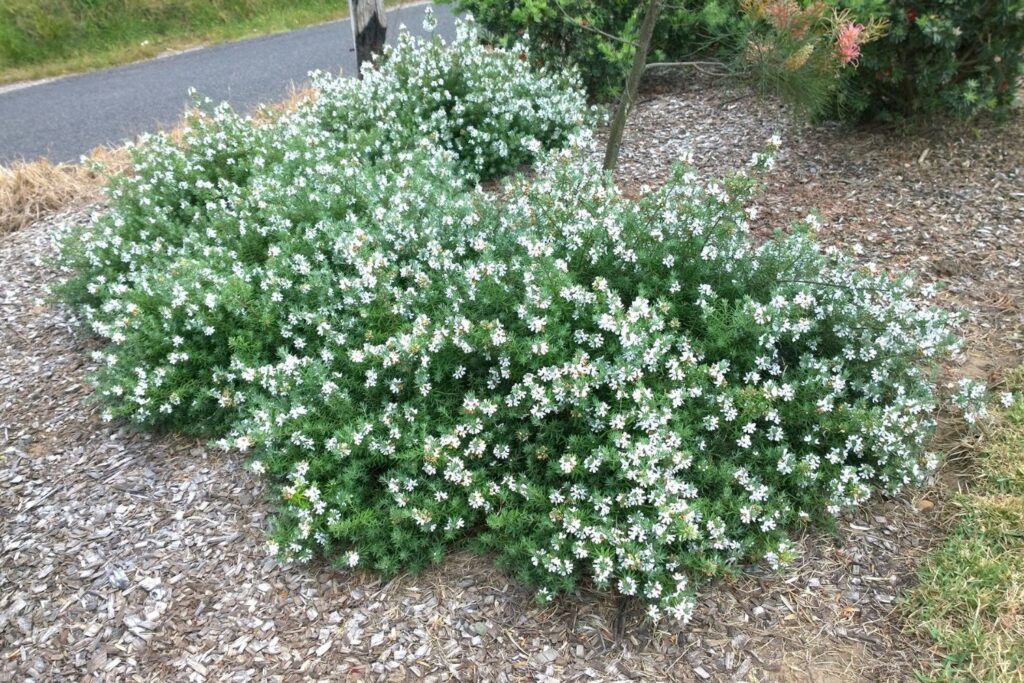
{"x": 849, "y": 37}
{"x": 192, "y": 267}
{"x": 627, "y": 391}
{"x": 490, "y": 107}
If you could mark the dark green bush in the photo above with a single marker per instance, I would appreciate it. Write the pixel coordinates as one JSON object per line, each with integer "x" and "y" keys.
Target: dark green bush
{"x": 561, "y": 30}
{"x": 950, "y": 58}
{"x": 945, "y": 57}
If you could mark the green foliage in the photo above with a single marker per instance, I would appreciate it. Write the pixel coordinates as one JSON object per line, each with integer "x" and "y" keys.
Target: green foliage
{"x": 938, "y": 58}
{"x": 570, "y": 30}
{"x": 945, "y": 58}
{"x": 631, "y": 392}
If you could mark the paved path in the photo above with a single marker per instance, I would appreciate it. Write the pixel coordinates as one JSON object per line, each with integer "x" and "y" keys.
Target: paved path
{"x": 67, "y": 117}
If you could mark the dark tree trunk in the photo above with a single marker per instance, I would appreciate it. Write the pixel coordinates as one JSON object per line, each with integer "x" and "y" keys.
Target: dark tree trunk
{"x": 369, "y": 27}
{"x": 611, "y": 155}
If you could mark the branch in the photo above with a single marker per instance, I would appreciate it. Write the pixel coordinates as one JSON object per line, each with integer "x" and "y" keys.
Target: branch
{"x": 618, "y": 124}
{"x": 837, "y": 285}
{"x": 719, "y": 68}
{"x": 587, "y": 27}
{"x": 738, "y": 98}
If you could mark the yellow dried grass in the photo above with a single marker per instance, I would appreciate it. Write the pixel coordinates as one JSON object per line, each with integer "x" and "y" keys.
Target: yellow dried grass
{"x": 296, "y": 98}
{"x": 33, "y": 190}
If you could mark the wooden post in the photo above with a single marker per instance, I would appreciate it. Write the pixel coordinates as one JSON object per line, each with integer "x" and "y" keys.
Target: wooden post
{"x": 611, "y": 155}
{"x": 369, "y": 27}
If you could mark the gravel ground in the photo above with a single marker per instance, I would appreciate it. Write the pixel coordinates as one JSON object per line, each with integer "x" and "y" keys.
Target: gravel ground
{"x": 946, "y": 202}
{"x": 132, "y": 556}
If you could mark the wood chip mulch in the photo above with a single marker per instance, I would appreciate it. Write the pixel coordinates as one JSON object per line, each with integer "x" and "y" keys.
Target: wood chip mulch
{"x": 134, "y": 556}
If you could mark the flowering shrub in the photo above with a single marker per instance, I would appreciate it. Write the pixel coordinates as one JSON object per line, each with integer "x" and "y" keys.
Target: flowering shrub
{"x": 904, "y": 59}
{"x": 627, "y": 391}
{"x": 796, "y": 49}
{"x": 206, "y": 216}
{"x": 492, "y": 108}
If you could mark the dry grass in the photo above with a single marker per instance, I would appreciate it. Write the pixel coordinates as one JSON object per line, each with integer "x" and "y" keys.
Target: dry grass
{"x": 33, "y": 190}
{"x": 269, "y": 113}
{"x": 30, "y": 191}
{"x": 970, "y": 599}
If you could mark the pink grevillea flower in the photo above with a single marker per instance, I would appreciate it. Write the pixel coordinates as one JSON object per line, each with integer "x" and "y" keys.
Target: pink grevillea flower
{"x": 781, "y": 13}
{"x": 849, "y": 42}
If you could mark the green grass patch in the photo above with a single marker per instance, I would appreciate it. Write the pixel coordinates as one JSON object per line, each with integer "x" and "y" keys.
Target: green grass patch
{"x": 970, "y": 598}
{"x": 42, "y": 38}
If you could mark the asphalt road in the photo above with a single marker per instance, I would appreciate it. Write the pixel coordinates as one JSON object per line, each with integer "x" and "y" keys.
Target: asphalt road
{"x": 67, "y": 117}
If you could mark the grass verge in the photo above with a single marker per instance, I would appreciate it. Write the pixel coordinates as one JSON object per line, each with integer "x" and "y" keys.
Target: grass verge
{"x": 970, "y": 596}
{"x": 44, "y": 38}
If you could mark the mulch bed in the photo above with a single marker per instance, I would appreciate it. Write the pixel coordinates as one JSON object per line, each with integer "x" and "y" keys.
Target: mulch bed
{"x": 134, "y": 556}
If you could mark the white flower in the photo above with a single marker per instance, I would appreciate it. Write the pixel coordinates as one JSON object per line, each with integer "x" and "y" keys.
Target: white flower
{"x": 429, "y": 20}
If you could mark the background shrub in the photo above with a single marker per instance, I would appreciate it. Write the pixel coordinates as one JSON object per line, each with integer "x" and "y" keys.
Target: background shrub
{"x": 629, "y": 392}
{"x": 947, "y": 58}
{"x": 555, "y": 33}
{"x": 492, "y": 110}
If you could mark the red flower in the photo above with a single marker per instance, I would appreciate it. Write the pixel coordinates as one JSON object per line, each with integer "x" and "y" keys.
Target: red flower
{"x": 850, "y": 36}
{"x": 911, "y": 15}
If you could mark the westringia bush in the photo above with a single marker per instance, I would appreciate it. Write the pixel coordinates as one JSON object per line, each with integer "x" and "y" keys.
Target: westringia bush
{"x": 591, "y": 387}
{"x": 491, "y": 108}
{"x": 206, "y": 216}
{"x": 626, "y": 390}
